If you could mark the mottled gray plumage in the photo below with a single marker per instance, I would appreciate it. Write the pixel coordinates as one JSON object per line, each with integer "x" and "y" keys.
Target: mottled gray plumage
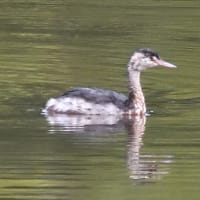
{"x": 98, "y": 96}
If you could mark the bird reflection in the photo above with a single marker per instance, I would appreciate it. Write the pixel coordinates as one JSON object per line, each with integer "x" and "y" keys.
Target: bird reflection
{"x": 143, "y": 166}
{"x": 140, "y": 166}
{"x": 85, "y": 123}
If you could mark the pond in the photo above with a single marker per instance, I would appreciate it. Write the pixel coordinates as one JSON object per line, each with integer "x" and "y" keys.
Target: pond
{"x": 47, "y": 47}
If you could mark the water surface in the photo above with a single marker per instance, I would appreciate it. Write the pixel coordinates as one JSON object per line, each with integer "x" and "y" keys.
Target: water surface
{"x": 49, "y": 46}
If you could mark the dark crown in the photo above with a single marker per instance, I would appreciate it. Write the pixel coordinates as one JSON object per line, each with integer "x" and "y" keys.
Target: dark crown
{"x": 148, "y": 53}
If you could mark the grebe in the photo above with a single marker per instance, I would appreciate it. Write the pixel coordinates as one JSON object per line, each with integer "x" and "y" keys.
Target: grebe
{"x": 94, "y": 101}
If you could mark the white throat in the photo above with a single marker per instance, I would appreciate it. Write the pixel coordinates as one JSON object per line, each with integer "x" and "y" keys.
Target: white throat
{"x": 135, "y": 89}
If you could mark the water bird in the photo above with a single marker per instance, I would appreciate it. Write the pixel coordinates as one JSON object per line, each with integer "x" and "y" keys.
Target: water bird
{"x": 95, "y": 101}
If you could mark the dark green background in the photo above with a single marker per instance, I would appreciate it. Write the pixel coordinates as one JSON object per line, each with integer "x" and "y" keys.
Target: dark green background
{"x": 49, "y": 46}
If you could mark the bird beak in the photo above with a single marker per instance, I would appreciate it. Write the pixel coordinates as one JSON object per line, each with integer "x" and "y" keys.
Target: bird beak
{"x": 163, "y": 63}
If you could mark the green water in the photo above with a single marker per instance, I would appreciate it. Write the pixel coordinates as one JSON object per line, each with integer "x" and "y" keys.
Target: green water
{"x": 49, "y": 46}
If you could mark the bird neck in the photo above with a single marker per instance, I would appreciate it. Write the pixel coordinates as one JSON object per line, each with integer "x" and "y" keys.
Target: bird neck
{"x": 136, "y": 98}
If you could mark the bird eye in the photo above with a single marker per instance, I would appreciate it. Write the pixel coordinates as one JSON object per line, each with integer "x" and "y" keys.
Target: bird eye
{"x": 153, "y": 58}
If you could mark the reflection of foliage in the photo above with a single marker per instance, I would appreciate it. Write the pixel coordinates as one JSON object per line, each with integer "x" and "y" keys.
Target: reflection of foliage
{"x": 47, "y": 46}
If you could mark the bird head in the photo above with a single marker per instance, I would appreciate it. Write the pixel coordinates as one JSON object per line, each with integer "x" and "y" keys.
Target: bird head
{"x": 146, "y": 58}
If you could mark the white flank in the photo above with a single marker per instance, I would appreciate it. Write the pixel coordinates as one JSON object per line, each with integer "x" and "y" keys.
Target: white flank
{"x": 81, "y": 106}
